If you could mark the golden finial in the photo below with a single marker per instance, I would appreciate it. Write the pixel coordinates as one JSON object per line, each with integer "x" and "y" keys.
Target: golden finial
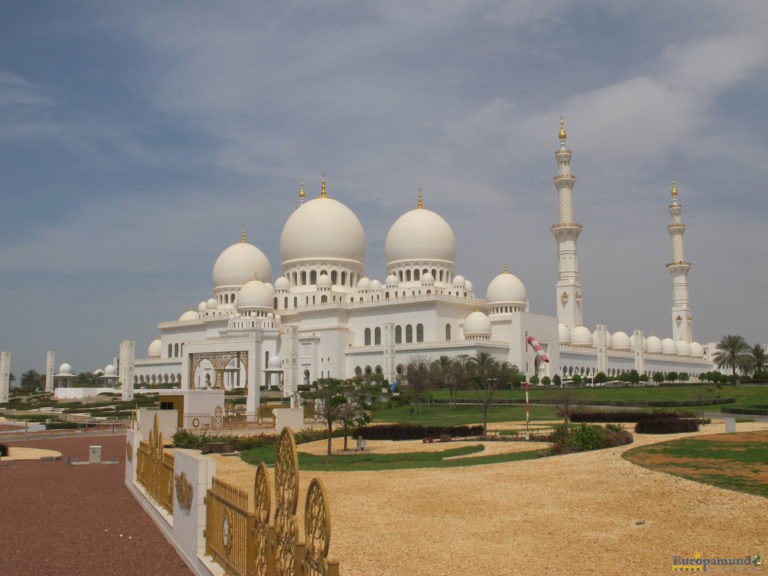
{"x": 562, "y": 131}
{"x": 674, "y": 189}
{"x": 255, "y": 275}
{"x": 421, "y": 200}
{"x": 506, "y": 269}
{"x": 302, "y": 195}
{"x": 323, "y": 193}
{"x": 242, "y": 234}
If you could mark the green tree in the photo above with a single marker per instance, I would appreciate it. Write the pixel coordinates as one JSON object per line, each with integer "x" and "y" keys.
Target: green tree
{"x": 360, "y": 395}
{"x": 328, "y": 395}
{"x": 732, "y": 352}
{"x": 600, "y": 378}
{"x": 534, "y": 380}
{"x": 576, "y": 379}
{"x": 31, "y": 380}
{"x": 658, "y": 377}
{"x": 557, "y": 380}
{"x": 486, "y": 375}
{"x": 759, "y": 360}
{"x": 546, "y": 381}
{"x": 451, "y": 373}
{"x": 419, "y": 376}
{"x": 643, "y": 377}
{"x": 683, "y": 376}
{"x": 633, "y": 376}
{"x": 672, "y": 376}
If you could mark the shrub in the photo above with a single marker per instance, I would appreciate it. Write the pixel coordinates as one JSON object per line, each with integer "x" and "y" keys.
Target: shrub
{"x": 586, "y": 437}
{"x": 666, "y": 426}
{"x": 414, "y": 432}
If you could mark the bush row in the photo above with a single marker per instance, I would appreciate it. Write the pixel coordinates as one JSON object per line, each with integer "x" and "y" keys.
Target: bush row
{"x": 666, "y": 426}
{"x": 414, "y": 432}
{"x": 587, "y": 437}
{"x": 759, "y": 410}
{"x": 620, "y": 416}
{"x": 186, "y": 439}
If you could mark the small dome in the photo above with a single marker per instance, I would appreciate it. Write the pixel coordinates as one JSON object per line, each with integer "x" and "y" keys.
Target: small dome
{"x": 420, "y": 235}
{"x": 620, "y": 341}
{"x": 364, "y": 283}
{"x": 282, "y": 283}
{"x": 427, "y": 279}
{"x": 322, "y": 229}
{"x": 110, "y": 370}
{"x": 255, "y": 294}
{"x": 65, "y": 370}
{"x": 458, "y": 281}
{"x": 608, "y": 339}
{"x": 668, "y": 346}
{"x": 324, "y": 281}
{"x": 697, "y": 351}
{"x": 275, "y": 363}
{"x": 507, "y": 288}
{"x": 469, "y": 286}
{"x": 211, "y": 303}
{"x": 155, "y": 348}
{"x": 653, "y": 345}
{"x": 202, "y": 307}
{"x": 477, "y": 325}
{"x": 392, "y": 280}
{"x": 189, "y": 315}
{"x": 564, "y": 334}
{"x": 581, "y": 336}
{"x": 683, "y": 348}
{"x": 237, "y": 265}
{"x": 375, "y": 285}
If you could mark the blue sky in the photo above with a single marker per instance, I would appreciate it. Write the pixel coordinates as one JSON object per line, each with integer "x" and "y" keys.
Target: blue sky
{"x": 136, "y": 138}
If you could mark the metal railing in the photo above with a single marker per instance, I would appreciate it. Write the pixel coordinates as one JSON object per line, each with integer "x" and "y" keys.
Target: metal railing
{"x": 154, "y": 468}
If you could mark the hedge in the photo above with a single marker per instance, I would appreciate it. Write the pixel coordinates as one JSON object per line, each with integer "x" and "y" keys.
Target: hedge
{"x": 621, "y": 416}
{"x": 666, "y": 426}
{"x": 758, "y": 410}
{"x": 414, "y": 432}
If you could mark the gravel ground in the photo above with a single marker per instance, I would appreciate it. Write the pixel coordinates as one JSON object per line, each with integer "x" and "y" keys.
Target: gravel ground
{"x": 70, "y": 520}
{"x": 583, "y": 514}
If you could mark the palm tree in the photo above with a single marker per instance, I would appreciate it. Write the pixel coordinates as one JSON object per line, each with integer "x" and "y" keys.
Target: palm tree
{"x": 732, "y": 352}
{"x": 758, "y": 360}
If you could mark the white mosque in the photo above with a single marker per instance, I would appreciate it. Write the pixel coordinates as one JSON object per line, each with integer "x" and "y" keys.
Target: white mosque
{"x": 324, "y": 317}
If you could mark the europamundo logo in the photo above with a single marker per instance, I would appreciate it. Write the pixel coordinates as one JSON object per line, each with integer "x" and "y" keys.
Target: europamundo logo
{"x": 698, "y": 563}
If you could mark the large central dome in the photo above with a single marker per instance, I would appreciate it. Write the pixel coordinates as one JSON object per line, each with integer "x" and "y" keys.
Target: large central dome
{"x": 420, "y": 235}
{"x": 322, "y": 229}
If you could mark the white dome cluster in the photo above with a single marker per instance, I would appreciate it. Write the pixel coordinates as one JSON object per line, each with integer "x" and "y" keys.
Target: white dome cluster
{"x": 189, "y": 315}
{"x": 255, "y": 296}
{"x": 155, "y": 348}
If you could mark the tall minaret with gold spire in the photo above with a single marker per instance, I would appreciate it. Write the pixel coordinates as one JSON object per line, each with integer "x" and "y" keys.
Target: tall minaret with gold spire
{"x": 678, "y": 268}
{"x": 566, "y": 233}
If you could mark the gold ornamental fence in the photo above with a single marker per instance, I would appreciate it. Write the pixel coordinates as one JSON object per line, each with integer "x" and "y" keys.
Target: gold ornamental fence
{"x": 154, "y": 468}
{"x": 247, "y": 537}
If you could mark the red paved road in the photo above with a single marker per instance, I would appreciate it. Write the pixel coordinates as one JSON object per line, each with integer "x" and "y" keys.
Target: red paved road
{"x": 70, "y": 520}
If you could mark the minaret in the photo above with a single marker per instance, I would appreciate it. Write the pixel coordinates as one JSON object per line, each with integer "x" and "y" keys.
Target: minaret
{"x": 566, "y": 233}
{"x": 678, "y": 268}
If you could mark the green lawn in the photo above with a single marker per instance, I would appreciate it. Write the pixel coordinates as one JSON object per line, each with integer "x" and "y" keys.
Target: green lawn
{"x": 733, "y": 461}
{"x": 670, "y": 393}
{"x": 441, "y": 415}
{"x": 372, "y": 462}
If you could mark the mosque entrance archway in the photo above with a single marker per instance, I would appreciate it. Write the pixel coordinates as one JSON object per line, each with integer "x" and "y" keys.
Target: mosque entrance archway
{"x": 207, "y": 369}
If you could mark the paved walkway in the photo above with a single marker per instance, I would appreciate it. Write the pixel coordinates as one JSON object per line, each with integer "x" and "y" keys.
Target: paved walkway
{"x": 70, "y": 520}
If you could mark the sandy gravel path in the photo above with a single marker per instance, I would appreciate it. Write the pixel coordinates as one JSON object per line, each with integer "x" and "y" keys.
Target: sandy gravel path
{"x": 589, "y": 513}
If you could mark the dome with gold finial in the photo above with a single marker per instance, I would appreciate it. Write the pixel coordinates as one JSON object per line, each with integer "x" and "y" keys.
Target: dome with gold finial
{"x": 562, "y": 136}
{"x": 255, "y": 295}
{"x": 323, "y": 229}
{"x": 423, "y": 236}
{"x": 237, "y": 264}
{"x": 507, "y": 291}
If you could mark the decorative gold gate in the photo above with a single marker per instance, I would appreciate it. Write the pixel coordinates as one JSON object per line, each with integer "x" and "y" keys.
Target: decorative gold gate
{"x": 238, "y": 532}
{"x": 154, "y": 468}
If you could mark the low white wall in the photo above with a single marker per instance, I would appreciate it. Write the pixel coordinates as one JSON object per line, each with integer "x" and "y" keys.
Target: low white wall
{"x": 291, "y": 417}
{"x": 167, "y": 419}
{"x": 80, "y": 393}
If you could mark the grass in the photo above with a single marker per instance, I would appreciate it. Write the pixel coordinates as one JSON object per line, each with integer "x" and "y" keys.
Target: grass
{"x": 733, "y": 461}
{"x": 373, "y": 462}
{"x": 667, "y": 393}
{"x": 441, "y": 415}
